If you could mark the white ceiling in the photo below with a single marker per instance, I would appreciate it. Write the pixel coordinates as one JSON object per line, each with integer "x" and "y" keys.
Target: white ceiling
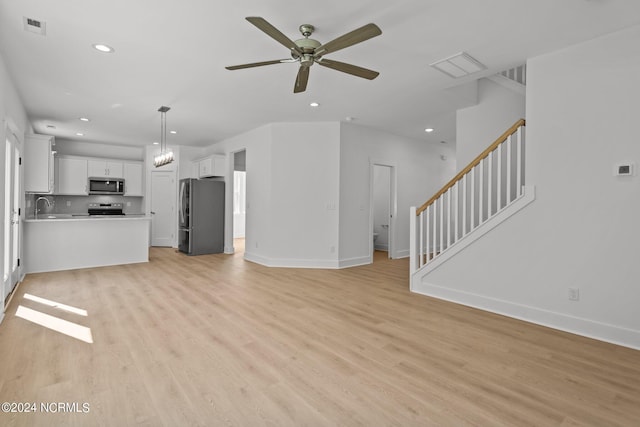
{"x": 174, "y": 53}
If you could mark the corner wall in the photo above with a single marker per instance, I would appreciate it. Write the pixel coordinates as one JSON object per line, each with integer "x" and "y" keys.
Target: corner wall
{"x": 292, "y": 194}
{"x": 582, "y": 230}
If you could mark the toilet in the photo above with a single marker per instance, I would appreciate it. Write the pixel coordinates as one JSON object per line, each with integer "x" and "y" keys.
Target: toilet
{"x": 375, "y": 237}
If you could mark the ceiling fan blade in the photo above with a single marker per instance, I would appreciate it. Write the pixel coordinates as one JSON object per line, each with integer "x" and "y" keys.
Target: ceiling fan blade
{"x": 274, "y": 33}
{"x": 301, "y": 79}
{"x": 258, "y": 64}
{"x": 349, "y": 68}
{"x": 356, "y": 36}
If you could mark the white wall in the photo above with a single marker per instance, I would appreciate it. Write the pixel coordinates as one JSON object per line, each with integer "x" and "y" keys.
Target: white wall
{"x": 257, "y": 144}
{"x": 292, "y": 187}
{"x": 304, "y": 201}
{"x": 477, "y": 127}
{"x": 582, "y": 230}
{"x": 419, "y": 174}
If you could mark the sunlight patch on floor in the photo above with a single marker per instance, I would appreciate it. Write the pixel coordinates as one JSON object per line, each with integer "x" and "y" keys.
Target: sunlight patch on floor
{"x": 54, "y": 304}
{"x": 71, "y": 329}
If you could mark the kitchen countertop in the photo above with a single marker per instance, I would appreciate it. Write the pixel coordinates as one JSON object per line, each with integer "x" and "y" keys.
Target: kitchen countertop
{"x": 86, "y": 217}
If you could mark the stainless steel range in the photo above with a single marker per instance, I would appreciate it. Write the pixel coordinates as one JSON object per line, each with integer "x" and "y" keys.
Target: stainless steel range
{"x": 105, "y": 209}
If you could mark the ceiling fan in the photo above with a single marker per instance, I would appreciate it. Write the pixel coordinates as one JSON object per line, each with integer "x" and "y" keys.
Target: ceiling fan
{"x": 308, "y": 51}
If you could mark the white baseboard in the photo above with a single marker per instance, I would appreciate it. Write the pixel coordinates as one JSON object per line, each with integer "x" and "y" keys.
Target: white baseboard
{"x": 575, "y": 325}
{"x": 306, "y": 263}
{"x": 354, "y": 262}
{"x": 291, "y": 263}
{"x": 404, "y": 253}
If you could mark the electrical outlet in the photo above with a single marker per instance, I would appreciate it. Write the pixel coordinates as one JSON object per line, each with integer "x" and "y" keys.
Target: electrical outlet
{"x": 574, "y": 294}
{"x": 68, "y": 203}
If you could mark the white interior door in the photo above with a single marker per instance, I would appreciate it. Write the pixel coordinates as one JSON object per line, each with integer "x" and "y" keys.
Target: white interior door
{"x": 163, "y": 209}
{"x": 11, "y": 273}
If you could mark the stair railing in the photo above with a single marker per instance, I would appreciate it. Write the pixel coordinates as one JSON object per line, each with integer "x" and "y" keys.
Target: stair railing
{"x": 486, "y": 186}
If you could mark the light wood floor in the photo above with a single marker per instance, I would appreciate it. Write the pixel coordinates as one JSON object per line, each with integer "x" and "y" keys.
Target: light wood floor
{"x": 215, "y": 340}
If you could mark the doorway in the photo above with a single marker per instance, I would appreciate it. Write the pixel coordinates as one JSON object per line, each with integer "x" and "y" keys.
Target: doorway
{"x": 383, "y": 210}
{"x": 239, "y": 200}
{"x": 12, "y": 211}
{"x": 163, "y": 209}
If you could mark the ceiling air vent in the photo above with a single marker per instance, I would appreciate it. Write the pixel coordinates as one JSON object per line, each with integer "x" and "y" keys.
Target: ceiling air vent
{"x": 459, "y": 65}
{"x": 34, "y": 26}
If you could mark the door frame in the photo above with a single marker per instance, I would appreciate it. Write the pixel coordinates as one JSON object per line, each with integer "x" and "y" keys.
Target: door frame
{"x": 228, "y": 202}
{"x": 393, "y": 206}
{"x": 15, "y": 276}
{"x": 174, "y": 221}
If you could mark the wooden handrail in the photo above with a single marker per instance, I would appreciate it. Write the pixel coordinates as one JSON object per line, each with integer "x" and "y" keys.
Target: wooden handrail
{"x": 475, "y": 162}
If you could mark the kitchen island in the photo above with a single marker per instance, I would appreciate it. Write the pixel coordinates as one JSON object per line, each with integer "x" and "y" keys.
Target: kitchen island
{"x": 66, "y": 242}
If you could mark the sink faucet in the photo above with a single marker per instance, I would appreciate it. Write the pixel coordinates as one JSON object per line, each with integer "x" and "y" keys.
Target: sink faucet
{"x": 48, "y": 203}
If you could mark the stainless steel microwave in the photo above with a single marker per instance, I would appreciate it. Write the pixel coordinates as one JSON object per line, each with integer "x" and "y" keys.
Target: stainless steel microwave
{"x": 113, "y": 186}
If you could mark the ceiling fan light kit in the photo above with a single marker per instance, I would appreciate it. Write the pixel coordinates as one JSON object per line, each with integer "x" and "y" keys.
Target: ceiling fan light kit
{"x": 308, "y": 51}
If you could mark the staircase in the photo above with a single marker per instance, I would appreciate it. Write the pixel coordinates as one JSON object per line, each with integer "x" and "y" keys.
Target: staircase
{"x": 482, "y": 195}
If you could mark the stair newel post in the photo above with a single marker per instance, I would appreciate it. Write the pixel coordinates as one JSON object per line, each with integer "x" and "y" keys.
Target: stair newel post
{"x": 421, "y": 248}
{"x": 509, "y": 161}
{"x": 499, "y": 184}
{"x": 519, "y": 155}
{"x": 428, "y": 244}
{"x": 413, "y": 251}
{"x": 456, "y": 215}
{"x": 490, "y": 186}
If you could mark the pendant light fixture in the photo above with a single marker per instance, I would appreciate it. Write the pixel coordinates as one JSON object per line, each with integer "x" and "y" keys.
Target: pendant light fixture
{"x": 165, "y": 156}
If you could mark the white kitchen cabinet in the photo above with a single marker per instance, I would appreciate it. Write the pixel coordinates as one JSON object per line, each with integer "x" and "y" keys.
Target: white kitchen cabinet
{"x": 215, "y": 165}
{"x": 133, "y": 179}
{"x": 38, "y": 163}
{"x": 72, "y": 176}
{"x": 105, "y": 168}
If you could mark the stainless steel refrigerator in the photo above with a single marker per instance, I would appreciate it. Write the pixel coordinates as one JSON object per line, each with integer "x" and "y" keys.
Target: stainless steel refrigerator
{"x": 201, "y": 217}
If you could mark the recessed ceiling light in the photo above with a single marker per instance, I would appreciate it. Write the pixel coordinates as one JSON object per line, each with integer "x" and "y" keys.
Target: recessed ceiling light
{"x": 314, "y": 104}
{"x": 428, "y": 130}
{"x": 79, "y": 134}
{"x": 173, "y": 131}
{"x": 103, "y": 48}
{"x": 84, "y": 119}
{"x": 156, "y": 143}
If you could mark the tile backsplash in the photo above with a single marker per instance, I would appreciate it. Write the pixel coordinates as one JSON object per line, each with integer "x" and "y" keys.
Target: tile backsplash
{"x": 79, "y": 204}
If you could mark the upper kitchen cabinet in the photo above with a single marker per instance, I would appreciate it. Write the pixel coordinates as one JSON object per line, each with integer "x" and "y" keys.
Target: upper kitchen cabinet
{"x": 105, "y": 168}
{"x": 38, "y": 164}
{"x": 215, "y": 165}
{"x": 133, "y": 179}
{"x": 72, "y": 176}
